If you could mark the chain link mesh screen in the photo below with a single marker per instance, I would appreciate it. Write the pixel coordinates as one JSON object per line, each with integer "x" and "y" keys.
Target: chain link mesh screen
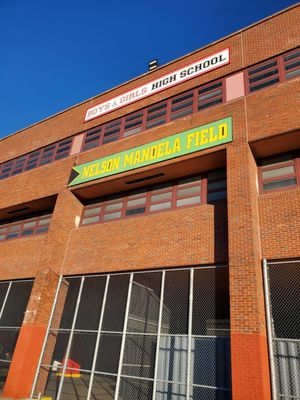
{"x": 284, "y": 288}
{"x": 127, "y": 337}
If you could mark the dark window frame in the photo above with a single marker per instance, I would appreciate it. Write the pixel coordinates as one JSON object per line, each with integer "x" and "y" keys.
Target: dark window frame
{"x": 281, "y": 63}
{"x": 173, "y": 187}
{"x": 21, "y": 223}
{"x": 50, "y": 153}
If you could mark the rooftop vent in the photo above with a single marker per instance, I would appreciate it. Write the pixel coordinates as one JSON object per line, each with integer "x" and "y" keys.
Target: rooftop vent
{"x": 153, "y": 64}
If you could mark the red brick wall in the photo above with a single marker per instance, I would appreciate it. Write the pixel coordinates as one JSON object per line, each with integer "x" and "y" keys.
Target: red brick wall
{"x": 20, "y": 258}
{"x": 258, "y": 226}
{"x": 279, "y": 215}
{"x": 190, "y": 236}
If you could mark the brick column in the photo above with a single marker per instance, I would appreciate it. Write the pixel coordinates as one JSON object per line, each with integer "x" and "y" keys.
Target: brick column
{"x": 249, "y": 352}
{"x": 32, "y": 333}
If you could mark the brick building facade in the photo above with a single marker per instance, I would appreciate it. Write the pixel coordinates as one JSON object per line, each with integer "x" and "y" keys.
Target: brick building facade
{"x": 145, "y": 280}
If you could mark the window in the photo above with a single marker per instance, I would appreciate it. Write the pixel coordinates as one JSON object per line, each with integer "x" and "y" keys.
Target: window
{"x": 175, "y": 107}
{"x": 279, "y": 172}
{"x": 292, "y": 64}
{"x": 273, "y": 71}
{"x": 160, "y": 337}
{"x": 25, "y": 227}
{"x": 37, "y": 158}
{"x": 185, "y": 192}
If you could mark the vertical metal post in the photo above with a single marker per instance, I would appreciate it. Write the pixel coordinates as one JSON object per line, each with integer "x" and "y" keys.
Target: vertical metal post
{"x": 70, "y": 339}
{"x": 161, "y": 307}
{"x": 98, "y": 338}
{"x": 190, "y": 320}
{"x": 123, "y": 339}
{"x": 5, "y": 299}
{"x": 46, "y": 336}
{"x": 269, "y": 330}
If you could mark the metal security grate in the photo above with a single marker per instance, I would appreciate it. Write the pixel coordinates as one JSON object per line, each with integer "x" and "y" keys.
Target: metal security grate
{"x": 283, "y": 288}
{"x": 14, "y": 297}
{"x": 144, "y": 346}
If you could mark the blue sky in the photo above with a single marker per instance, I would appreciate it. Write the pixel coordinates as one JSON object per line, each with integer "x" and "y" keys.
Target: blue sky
{"x": 57, "y": 53}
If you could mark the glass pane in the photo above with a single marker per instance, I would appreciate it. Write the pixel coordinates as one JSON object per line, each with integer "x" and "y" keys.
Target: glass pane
{"x": 292, "y": 74}
{"x": 90, "y": 303}
{"x": 135, "y": 389}
{"x": 188, "y": 191}
{"x": 280, "y": 184}
{"x": 116, "y": 304}
{"x": 90, "y": 220}
{"x": 263, "y": 76}
{"x": 16, "y": 303}
{"x": 182, "y": 113}
{"x": 108, "y": 217}
{"x": 188, "y": 201}
{"x": 109, "y": 353}
{"x": 162, "y": 196}
{"x": 172, "y": 358}
{"x": 264, "y": 84}
{"x": 14, "y": 228}
{"x": 92, "y": 211}
{"x": 134, "y": 211}
{"x": 176, "y": 301}
{"x": 136, "y": 202}
{"x": 144, "y": 303}
{"x": 45, "y": 221}
{"x": 262, "y": 67}
{"x": 29, "y": 224}
{"x": 132, "y": 131}
{"x": 42, "y": 230}
{"x": 70, "y": 303}
{"x": 278, "y": 172}
{"x": 82, "y": 350}
{"x": 12, "y": 235}
{"x": 171, "y": 391}
{"x": 103, "y": 387}
{"x": 210, "y": 364}
{"x": 27, "y": 232}
{"x": 115, "y": 206}
{"x": 160, "y": 206}
{"x": 210, "y": 95}
{"x": 211, "y": 302}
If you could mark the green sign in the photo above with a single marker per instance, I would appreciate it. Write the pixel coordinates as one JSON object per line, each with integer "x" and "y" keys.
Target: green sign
{"x": 186, "y": 142}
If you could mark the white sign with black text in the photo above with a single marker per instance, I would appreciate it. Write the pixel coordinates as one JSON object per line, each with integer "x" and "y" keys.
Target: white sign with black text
{"x": 189, "y": 71}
